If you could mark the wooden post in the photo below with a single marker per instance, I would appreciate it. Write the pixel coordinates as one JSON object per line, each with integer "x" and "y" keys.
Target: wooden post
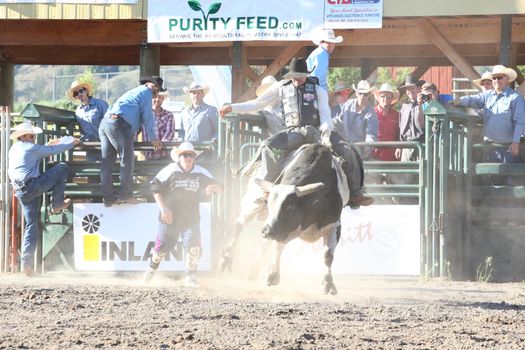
{"x": 239, "y": 61}
{"x": 7, "y": 84}
{"x": 149, "y": 60}
{"x": 505, "y": 53}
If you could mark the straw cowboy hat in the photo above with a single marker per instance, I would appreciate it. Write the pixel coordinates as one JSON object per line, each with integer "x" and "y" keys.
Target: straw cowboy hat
{"x": 155, "y": 79}
{"x": 485, "y": 76}
{"x": 502, "y": 70}
{"x": 76, "y": 85}
{"x": 341, "y": 86}
{"x": 363, "y": 87}
{"x": 265, "y": 84}
{"x": 297, "y": 69}
{"x": 386, "y": 87}
{"x": 185, "y": 147}
{"x": 196, "y": 87}
{"x": 327, "y": 35}
{"x": 26, "y": 127}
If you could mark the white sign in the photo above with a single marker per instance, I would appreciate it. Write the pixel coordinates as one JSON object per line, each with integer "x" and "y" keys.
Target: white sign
{"x": 68, "y": 1}
{"x": 375, "y": 240}
{"x": 120, "y": 238}
{"x": 342, "y": 14}
{"x": 290, "y": 20}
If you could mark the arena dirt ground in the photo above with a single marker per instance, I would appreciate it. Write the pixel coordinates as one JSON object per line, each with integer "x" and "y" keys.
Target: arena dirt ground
{"x": 226, "y": 312}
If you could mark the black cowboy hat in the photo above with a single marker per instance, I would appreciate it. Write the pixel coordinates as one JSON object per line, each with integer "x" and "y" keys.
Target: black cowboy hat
{"x": 297, "y": 69}
{"x": 155, "y": 79}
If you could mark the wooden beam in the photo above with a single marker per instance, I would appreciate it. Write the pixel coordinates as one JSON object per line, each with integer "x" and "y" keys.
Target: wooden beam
{"x": 441, "y": 42}
{"x": 506, "y": 40}
{"x": 419, "y": 71}
{"x": 7, "y": 82}
{"x": 250, "y": 73}
{"x": 272, "y": 69}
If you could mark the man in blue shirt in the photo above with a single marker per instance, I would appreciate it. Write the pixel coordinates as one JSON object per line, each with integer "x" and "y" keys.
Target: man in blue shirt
{"x": 117, "y": 130}
{"x": 199, "y": 120}
{"x": 319, "y": 60}
{"x": 503, "y": 116}
{"x": 89, "y": 113}
{"x": 29, "y": 184}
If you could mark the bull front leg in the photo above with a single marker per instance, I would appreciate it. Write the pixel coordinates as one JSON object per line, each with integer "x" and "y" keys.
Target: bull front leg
{"x": 274, "y": 276}
{"x": 330, "y": 241}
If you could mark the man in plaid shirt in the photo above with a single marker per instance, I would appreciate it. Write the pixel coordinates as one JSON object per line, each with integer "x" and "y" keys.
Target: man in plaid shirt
{"x": 164, "y": 128}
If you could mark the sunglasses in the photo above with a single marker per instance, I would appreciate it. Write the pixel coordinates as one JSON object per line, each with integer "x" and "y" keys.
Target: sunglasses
{"x": 498, "y": 77}
{"x": 188, "y": 155}
{"x": 364, "y": 94}
{"x": 79, "y": 91}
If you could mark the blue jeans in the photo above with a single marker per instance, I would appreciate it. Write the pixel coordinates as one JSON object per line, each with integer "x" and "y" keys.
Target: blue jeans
{"x": 498, "y": 154}
{"x": 29, "y": 196}
{"x": 116, "y": 137}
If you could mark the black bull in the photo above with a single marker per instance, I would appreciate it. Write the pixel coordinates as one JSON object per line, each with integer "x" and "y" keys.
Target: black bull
{"x": 306, "y": 203}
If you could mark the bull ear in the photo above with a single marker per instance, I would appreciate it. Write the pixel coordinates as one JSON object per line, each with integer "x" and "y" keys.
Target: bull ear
{"x": 265, "y": 185}
{"x": 304, "y": 190}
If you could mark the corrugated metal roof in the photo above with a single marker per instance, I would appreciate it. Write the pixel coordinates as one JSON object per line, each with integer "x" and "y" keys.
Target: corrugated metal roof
{"x": 75, "y": 11}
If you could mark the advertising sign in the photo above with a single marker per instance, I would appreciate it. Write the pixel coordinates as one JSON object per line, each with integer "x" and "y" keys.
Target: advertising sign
{"x": 375, "y": 240}
{"x": 120, "y": 238}
{"x": 291, "y": 20}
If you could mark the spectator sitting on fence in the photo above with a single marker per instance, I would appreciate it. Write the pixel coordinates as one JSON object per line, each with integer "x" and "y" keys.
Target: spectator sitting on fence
{"x": 342, "y": 94}
{"x": 485, "y": 82}
{"x": 199, "y": 121}
{"x": 88, "y": 114}
{"x": 388, "y": 120}
{"x": 117, "y": 132}
{"x": 319, "y": 60}
{"x": 357, "y": 121}
{"x": 177, "y": 189}
{"x": 164, "y": 128}
{"x": 29, "y": 183}
{"x": 503, "y": 116}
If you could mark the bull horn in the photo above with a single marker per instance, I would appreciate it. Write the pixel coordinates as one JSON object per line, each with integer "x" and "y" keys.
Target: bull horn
{"x": 304, "y": 190}
{"x": 265, "y": 185}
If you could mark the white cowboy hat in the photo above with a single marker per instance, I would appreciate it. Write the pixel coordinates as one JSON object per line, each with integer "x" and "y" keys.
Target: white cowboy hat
{"x": 386, "y": 87}
{"x": 363, "y": 87}
{"x": 499, "y": 69}
{"x": 327, "y": 35}
{"x": 77, "y": 85}
{"x": 26, "y": 127}
{"x": 265, "y": 84}
{"x": 341, "y": 86}
{"x": 196, "y": 87}
{"x": 185, "y": 147}
{"x": 485, "y": 76}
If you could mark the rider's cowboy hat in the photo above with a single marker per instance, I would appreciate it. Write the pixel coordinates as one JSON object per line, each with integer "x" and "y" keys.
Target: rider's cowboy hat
{"x": 297, "y": 69}
{"x": 363, "y": 87}
{"x": 386, "y": 87}
{"x": 196, "y": 87}
{"x": 155, "y": 79}
{"x": 327, "y": 35}
{"x": 265, "y": 84}
{"x": 185, "y": 147}
{"x": 485, "y": 76}
{"x": 502, "y": 70}
{"x": 76, "y": 85}
{"x": 26, "y": 127}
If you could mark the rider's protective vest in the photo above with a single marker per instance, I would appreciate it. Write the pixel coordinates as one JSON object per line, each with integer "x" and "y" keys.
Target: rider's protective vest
{"x": 300, "y": 106}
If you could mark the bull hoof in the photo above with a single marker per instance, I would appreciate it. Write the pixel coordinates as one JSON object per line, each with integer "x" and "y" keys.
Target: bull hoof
{"x": 273, "y": 279}
{"x": 225, "y": 262}
{"x": 329, "y": 286}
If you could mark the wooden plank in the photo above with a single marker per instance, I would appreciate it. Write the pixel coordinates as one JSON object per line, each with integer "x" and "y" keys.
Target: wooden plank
{"x": 441, "y": 42}
{"x": 419, "y": 71}
{"x": 250, "y": 73}
{"x": 272, "y": 69}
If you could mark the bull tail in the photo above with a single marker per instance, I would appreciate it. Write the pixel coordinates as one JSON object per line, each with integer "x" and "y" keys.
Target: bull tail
{"x": 325, "y": 138}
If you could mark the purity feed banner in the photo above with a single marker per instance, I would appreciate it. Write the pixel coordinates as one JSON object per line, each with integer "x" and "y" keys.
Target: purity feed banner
{"x": 120, "y": 238}
{"x": 228, "y": 20}
{"x": 68, "y": 1}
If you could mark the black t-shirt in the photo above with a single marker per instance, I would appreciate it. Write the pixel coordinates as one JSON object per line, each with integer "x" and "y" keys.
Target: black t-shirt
{"x": 181, "y": 191}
